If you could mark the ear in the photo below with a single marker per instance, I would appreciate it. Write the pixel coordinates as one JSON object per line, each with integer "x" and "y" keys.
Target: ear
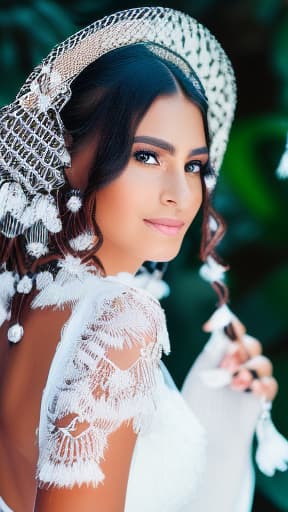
{"x": 68, "y": 139}
{"x": 81, "y": 162}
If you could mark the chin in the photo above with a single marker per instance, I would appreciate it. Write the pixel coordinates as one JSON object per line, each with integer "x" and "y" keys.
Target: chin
{"x": 163, "y": 257}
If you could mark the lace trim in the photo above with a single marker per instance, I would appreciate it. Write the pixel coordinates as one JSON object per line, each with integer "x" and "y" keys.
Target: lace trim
{"x": 105, "y": 372}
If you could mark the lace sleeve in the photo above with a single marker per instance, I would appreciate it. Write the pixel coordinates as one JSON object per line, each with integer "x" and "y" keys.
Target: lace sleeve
{"x": 109, "y": 375}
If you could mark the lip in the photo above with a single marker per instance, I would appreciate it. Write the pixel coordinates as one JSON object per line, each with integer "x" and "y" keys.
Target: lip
{"x": 165, "y": 225}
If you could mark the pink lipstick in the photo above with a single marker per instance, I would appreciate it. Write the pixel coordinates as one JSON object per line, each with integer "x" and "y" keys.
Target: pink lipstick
{"x": 164, "y": 225}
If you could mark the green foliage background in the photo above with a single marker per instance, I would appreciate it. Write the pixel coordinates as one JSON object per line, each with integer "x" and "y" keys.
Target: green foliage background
{"x": 254, "y": 33}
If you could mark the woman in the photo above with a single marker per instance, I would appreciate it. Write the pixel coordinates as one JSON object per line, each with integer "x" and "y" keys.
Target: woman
{"x": 110, "y": 149}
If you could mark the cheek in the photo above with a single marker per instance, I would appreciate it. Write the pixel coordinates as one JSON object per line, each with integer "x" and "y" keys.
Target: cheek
{"x": 196, "y": 198}
{"x": 117, "y": 206}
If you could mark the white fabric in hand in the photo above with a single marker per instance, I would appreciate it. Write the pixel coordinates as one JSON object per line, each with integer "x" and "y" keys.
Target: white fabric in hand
{"x": 229, "y": 418}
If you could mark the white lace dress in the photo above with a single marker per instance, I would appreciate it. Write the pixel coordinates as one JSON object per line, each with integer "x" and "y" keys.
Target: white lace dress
{"x": 107, "y": 370}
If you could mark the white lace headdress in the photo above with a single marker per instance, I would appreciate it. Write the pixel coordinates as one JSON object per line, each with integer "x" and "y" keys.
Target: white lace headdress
{"x": 32, "y": 148}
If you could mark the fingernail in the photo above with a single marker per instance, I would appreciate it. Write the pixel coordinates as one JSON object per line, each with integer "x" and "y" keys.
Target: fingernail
{"x": 254, "y": 373}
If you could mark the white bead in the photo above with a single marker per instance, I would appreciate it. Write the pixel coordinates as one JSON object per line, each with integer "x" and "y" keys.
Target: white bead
{"x": 74, "y": 204}
{"x": 212, "y": 270}
{"x": 15, "y": 333}
{"x": 36, "y": 249}
{"x": 71, "y": 265}
{"x": 210, "y": 182}
{"x": 82, "y": 242}
{"x": 25, "y": 285}
{"x": 213, "y": 224}
{"x": 49, "y": 214}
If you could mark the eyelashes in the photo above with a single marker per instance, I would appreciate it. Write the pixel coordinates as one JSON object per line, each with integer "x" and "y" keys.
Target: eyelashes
{"x": 148, "y": 157}
{"x": 143, "y": 156}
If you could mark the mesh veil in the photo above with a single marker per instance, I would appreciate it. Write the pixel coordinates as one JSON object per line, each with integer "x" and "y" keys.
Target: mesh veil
{"x": 32, "y": 148}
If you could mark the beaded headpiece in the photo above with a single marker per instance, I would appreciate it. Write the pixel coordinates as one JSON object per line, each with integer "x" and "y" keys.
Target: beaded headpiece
{"x": 32, "y": 148}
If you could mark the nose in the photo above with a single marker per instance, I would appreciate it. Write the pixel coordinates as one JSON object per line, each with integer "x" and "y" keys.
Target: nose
{"x": 177, "y": 188}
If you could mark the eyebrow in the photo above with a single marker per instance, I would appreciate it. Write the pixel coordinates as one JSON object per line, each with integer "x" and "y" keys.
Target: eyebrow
{"x": 167, "y": 146}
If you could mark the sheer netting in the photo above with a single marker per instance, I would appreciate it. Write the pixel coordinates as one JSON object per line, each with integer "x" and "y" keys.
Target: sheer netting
{"x": 105, "y": 372}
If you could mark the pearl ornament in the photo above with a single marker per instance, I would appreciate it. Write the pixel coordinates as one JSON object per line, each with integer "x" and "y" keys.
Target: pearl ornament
{"x": 15, "y": 333}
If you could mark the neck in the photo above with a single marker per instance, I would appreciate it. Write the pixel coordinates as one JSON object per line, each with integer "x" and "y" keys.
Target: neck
{"x": 122, "y": 263}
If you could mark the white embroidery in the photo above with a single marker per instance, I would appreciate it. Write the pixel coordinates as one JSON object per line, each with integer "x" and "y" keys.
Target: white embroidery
{"x": 105, "y": 371}
{"x": 25, "y": 285}
{"x": 82, "y": 241}
{"x": 8, "y": 282}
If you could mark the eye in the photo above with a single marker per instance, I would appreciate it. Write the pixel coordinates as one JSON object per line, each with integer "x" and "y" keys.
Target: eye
{"x": 195, "y": 166}
{"x": 146, "y": 157}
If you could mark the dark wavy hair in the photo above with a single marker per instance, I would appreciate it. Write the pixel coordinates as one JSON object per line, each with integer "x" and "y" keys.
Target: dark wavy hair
{"x": 108, "y": 100}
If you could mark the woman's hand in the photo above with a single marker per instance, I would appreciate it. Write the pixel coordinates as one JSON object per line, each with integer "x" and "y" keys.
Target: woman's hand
{"x": 231, "y": 363}
{"x": 250, "y": 370}
{"x": 229, "y": 418}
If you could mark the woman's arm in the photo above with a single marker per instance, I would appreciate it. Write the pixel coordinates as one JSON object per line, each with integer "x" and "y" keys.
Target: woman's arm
{"x": 104, "y": 397}
{"x": 109, "y": 495}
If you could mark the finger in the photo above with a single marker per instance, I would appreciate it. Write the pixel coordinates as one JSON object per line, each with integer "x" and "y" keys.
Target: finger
{"x": 245, "y": 349}
{"x": 238, "y": 327}
{"x": 242, "y": 379}
{"x": 219, "y": 319}
{"x": 261, "y": 364}
{"x": 234, "y": 330}
{"x": 254, "y": 369}
{"x": 266, "y": 387}
{"x": 249, "y": 380}
{"x": 230, "y": 332}
{"x": 231, "y": 362}
{"x": 252, "y": 345}
{"x": 240, "y": 352}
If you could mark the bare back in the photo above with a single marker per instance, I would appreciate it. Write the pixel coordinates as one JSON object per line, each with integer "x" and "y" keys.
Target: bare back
{"x": 24, "y": 369}
{"x": 132, "y": 351}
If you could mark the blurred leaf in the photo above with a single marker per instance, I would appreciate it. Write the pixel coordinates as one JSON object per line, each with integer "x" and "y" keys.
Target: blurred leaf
{"x": 280, "y": 57}
{"x": 264, "y": 308}
{"x": 58, "y": 17}
{"x": 266, "y": 10}
{"x": 28, "y": 33}
{"x": 280, "y": 46}
{"x": 243, "y": 166}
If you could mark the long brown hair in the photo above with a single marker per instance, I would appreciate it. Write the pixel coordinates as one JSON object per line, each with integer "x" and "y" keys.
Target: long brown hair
{"x": 109, "y": 98}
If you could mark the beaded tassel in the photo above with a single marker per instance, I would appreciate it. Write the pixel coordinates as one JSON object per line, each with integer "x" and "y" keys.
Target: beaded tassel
{"x": 272, "y": 450}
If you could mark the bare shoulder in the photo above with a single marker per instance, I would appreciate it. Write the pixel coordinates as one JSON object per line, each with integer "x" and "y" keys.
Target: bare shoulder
{"x": 105, "y": 395}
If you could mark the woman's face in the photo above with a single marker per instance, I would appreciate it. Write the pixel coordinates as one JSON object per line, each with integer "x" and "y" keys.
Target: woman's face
{"x": 145, "y": 212}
